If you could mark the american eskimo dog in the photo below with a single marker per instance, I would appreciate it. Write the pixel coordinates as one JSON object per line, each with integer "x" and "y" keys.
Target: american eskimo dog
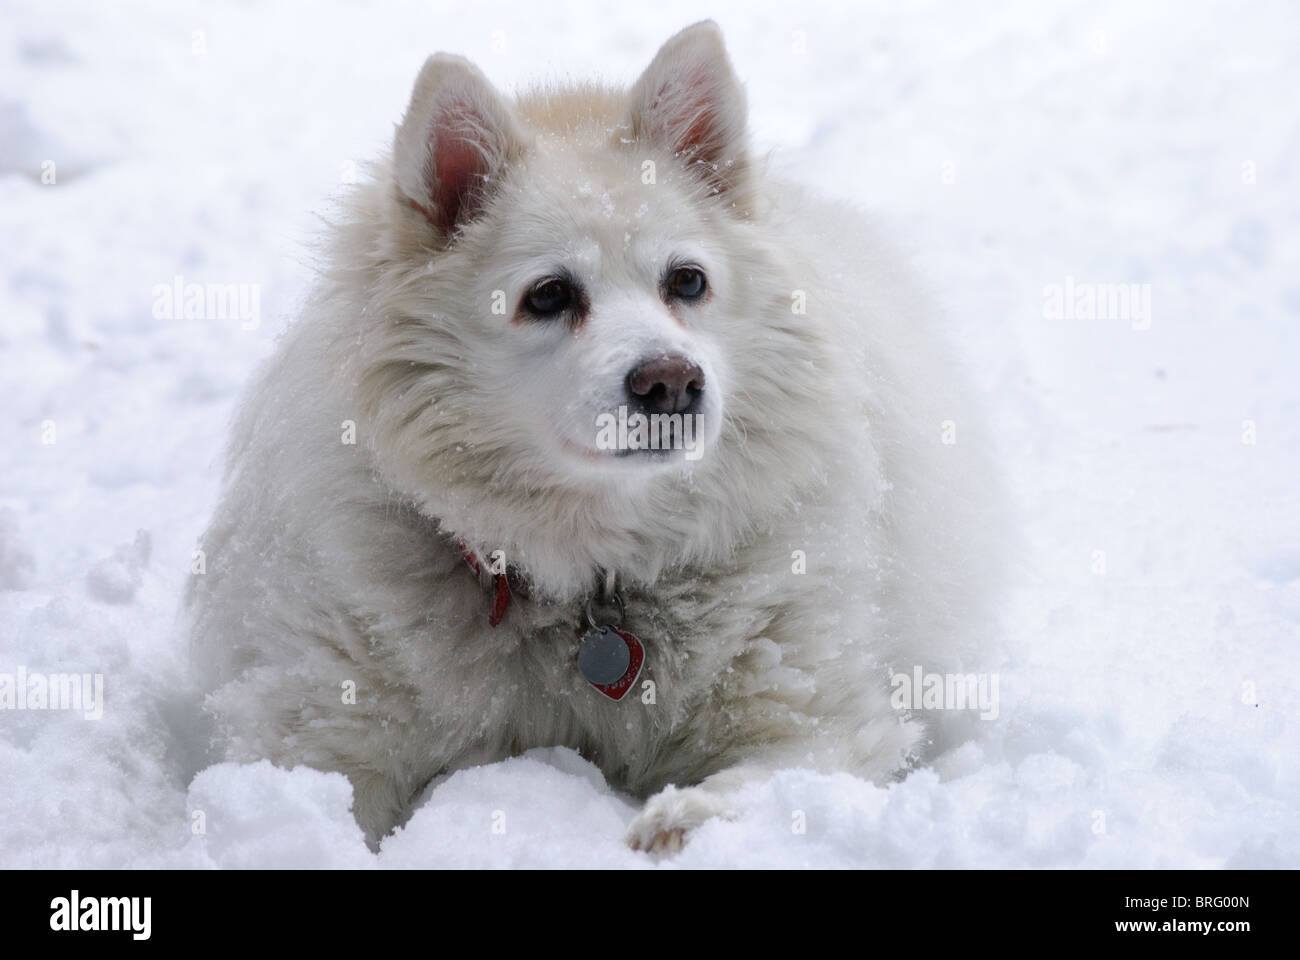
{"x": 594, "y": 434}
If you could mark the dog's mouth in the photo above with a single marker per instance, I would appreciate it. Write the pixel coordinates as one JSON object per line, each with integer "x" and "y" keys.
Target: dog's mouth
{"x": 673, "y": 444}
{"x": 638, "y": 436}
{"x": 626, "y": 455}
{"x": 646, "y": 454}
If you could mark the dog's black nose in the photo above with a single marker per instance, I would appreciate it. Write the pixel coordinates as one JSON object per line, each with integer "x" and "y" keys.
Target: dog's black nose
{"x": 668, "y": 384}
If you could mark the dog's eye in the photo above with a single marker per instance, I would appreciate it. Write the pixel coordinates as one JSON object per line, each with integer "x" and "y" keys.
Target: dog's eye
{"x": 687, "y": 283}
{"x": 549, "y": 297}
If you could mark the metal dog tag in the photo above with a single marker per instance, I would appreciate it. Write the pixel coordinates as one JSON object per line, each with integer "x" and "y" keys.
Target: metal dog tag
{"x": 610, "y": 660}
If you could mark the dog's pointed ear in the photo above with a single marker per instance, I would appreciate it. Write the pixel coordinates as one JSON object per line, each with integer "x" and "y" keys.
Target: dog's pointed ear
{"x": 690, "y": 103}
{"x": 455, "y": 141}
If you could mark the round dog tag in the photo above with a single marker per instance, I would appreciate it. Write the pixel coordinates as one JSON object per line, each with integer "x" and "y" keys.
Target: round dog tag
{"x": 610, "y": 660}
{"x": 604, "y": 656}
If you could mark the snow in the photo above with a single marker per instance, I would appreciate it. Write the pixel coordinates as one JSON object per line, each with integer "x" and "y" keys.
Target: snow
{"x": 1149, "y": 716}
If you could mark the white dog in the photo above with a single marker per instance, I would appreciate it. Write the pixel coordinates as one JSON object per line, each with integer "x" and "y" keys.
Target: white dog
{"x": 593, "y": 435}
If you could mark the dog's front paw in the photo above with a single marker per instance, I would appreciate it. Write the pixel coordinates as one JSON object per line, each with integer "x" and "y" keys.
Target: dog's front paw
{"x": 669, "y": 815}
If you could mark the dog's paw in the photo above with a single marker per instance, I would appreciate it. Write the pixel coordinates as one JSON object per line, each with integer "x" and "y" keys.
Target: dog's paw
{"x": 662, "y": 827}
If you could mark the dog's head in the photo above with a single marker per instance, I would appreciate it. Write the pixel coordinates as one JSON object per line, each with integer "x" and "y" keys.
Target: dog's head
{"x": 568, "y": 287}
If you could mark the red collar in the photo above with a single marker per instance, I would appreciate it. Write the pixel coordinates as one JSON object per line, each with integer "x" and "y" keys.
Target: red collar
{"x": 500, "y": 583}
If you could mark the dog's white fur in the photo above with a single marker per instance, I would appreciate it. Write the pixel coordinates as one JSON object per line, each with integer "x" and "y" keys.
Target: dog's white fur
{"x": 330, "y": 563}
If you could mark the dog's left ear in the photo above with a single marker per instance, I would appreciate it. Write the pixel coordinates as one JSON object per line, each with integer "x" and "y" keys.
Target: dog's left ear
{"x": 690, "y": 103}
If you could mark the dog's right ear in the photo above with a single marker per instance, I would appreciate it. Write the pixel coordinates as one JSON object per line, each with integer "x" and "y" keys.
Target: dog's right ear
{"x": 453, "y": 144}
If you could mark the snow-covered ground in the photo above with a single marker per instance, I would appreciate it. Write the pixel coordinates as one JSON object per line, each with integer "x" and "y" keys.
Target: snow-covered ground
{"x": 1149, "y": 717}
